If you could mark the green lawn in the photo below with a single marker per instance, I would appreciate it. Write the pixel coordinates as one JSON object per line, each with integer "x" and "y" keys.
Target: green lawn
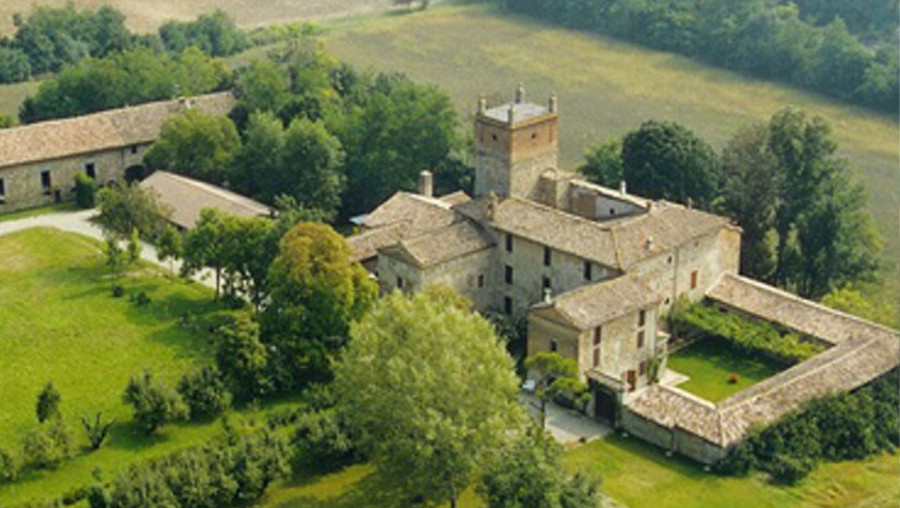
{"x": 605, "y": 87}
{"x": 59, "y": 322}
{"x": 709, "y": 364}
{"x": 39, "y": 210}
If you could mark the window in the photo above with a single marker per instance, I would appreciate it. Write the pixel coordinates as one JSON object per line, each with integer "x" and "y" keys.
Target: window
{"x": 612, "y": 211}
{"x": 481, "y": 280}
{"x": 509, "y": 242}
{"x": 694, "y": 279}
{"x": 669, "y": 260}
{"x": 596, "y": 357}
{"x": 2, "y": 188}
{"x": 545, "y": 282}
{"x": 548, "y": 254}
{"x": 134, "y": 149}
{"x": 90, "y": 170}
{"x": 507, "y": 305}
{"x": 642, "y": 368}
{"x": 640, "y": 339}
{"x": 554, "y": 346}
{"x": 642, "y": 317}
{"x": 587, "y": 270}
{"x": 598, "y": 335}
{"x": 494, "y": 137}
{"x": 399, "y": 282}
{"x": 508, "y": 274}
{"x": 534, "y": 135}
{"x": 45, "y": 180}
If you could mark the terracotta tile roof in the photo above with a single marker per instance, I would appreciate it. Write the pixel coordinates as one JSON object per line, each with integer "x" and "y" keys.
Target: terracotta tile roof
{"x": 438, "y": 246}
{"x": 793, "y": 312}
{"x": 188, "y": 197}
{"x": 619, "y": 243}
{"x": 590, "y": 306}
{"x": 863, "y": 352}
{"x": 99, "y": 131}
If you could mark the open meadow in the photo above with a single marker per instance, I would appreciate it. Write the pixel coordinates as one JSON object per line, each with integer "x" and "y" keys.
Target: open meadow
{"x": 59, "y": 322}
{"x": 606, "y": 88}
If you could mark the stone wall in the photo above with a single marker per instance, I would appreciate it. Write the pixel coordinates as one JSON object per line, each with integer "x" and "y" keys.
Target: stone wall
{"x": 461, "y": 274}
{"x": 672, "y": 439}
{"x": 23, "y": 184}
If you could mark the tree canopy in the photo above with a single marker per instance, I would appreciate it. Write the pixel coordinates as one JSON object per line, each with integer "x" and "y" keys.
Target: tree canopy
{"x": 196, "y": 144}
{"x": 430, "y": 391}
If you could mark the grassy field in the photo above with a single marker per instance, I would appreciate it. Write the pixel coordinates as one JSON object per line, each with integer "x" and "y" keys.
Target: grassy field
{"x": 38, "y": 210}
{"x": 605, "y": 87}
{"x": 59, "y": 322}
{"x": 709, "y": 364}
{"x": 146, "y": 16}
{"x": 12, "y": 96}
{"x": 637, "y": 475}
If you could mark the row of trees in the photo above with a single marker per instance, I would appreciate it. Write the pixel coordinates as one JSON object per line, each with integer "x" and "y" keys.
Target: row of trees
{"x": 804, "y": 218}
{"x": 765, "y": 38}
{"x": 51, "y": 38}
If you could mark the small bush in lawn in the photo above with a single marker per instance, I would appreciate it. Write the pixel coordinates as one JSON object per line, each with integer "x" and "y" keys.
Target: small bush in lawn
{"x": 48, "y": 447}
{"x": 118, "y": 291}
{"x": 153, "y": 401}
{"x": 75, "y": 495}
{"x": 141, "y": 299}
{"x": 322, "y": 442}
{"x": 789, "y": 470}
{"x": 96, "y": 430}
{"x": 10, "y": 465}
{"x": 733, "y": 378}
{"x": 204, "y": 392}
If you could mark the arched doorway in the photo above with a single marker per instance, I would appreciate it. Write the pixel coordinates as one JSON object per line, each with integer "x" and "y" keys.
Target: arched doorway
{"x": 136, "y": 173}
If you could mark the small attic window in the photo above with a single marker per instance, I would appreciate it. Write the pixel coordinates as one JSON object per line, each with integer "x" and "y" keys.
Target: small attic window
{"x": 134, "y": 149}
{"x": 612, "y": 211}
{"x": 534, "y": 135}
{"x": 494, "y": 137}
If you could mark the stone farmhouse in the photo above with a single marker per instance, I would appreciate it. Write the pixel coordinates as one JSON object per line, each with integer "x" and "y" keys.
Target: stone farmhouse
{"x": 593, "y": 270}
{"x": 38, "y": 162}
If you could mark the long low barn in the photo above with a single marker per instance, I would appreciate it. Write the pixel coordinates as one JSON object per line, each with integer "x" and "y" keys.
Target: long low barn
{"x": 38, "y": 162}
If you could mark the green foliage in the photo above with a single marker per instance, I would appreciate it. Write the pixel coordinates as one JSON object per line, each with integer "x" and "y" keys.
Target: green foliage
{"x": 10, "y": 466}
{"x": 153, "y": 401}
{"x": 664, "y": 160}
{"x": 53, "y": 36}
{"x": 580, "y": 492}
{"x": 430, "y": 392}
{"x": 847, "y": 426}
{"x": 47, "y": 403}
{"x": 215, "y": 34}
{"x": 96, "y": 430}
{"x": 14, "y": 66}
{"x": 603, "y": 163}
{"x": 115, "y": 258}
{"x": 196, "y": 144}
{"x": 750, "y": 335}
{"x": 311, "y": 166}
{"x": 315, "y": 293}
{"x": 760, "y": 37}
{"x": 262, "y": 86}
{"x": 861, "y": 301}
{"x": 126, "y": 208}
{"x": 48, "y": 447}
{"x": 204, "y": 392}
{"x": 323, "y": 442}
{"x": 169, "y": 244}
{"x": 134, "y": 76}
{"x": 85, "y": 190}
{"x": 556, "y": 377}
{"x": 134, "y": 246}
{"x": 242, "y": 359}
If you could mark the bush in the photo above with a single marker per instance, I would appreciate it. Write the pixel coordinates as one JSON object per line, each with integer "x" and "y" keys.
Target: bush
{"x": 789, "y": 470}
{"x": 322, "y": 442}
{"x": 9, "y": 466}
{"x": 154, "y": 402}
{"x": 204, "y": 393}
{"x": 118, "y": 291}
{"x": 96, "y": 430}
{"x": 47, "y": 403}
{"x": 85, "y": 190}
{"x": 48, "y": 447}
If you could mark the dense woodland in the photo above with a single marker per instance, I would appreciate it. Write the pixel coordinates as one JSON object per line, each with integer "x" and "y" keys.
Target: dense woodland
{"x": 847, "y": 50}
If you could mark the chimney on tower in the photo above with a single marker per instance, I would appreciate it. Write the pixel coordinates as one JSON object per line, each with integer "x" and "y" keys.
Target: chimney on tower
{"x": 520, "y": 94}
{"x": 426, "y": 184}
{"x": 482, "y": 105}
{"x": 553, "y": 104}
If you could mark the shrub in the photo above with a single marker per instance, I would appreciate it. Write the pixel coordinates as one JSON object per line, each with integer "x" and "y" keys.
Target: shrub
{"x": 9, "y": 466}
{"x": 85, "y": 190}
{"x": 204, "y": 392}
{"x": 47, "y": 403}
{"x": 96, "y": 430}
{"x": 154, "y": 402}
{"x": 789, "y": 470}
{"x": 141, "y": 299}
{"x": 118, "y": 291}
{"x": 48, "y": 447}
{"x": 322, "y": 442}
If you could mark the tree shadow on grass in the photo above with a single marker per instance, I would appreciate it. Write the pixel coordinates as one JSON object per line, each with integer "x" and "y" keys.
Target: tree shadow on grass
{"x": 373, "y": 490}
{"x": 129, "y": 436}
{"x": 656, "y": 455}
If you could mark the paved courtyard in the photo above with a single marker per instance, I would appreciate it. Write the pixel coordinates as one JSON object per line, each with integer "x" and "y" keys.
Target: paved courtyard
{"x": 567, "y": 426}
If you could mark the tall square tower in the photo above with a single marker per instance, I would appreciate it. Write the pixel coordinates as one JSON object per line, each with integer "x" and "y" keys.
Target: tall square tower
{"x": 515, "y": 143}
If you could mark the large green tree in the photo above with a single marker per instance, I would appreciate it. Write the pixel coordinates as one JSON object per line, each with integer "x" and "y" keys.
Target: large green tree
{"x": 128, "y": 207}
{"x": 196, "y": 144}
{"x": 665, "y": 160}
{"x": 430, "y": 391}
{"x": 315, "y": 292}
{"x": 603, "y": 163}
{"x": 311, "y": 166}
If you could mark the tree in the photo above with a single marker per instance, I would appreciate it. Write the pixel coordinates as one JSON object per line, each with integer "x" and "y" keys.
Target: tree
{"x": 315, "y": 293}
{"x": 128, "y": 207}
{"x": 750, "y": 196}
{"x": 115, "y": 256}
{"x": 134, "y": 246}
{"x": 204, "y": 245}
{"x": 169, "y": 244}
{"x": 262, "y": 86}
{"x": 556, "y": 376}
{"x": 47, "y": 447}
{"x": 664, "y": 160}
{"x": 196, "y": 144}
{"x": 311, "y": 166}
{"x": 153, "y": 401}
{"x": 96, "y": 430}
{"x": 430, "y": 392}
{"x": 47, "y": 403}
{"x": 204, "y": 392}
{"x": 258, "y": 164}
{"x": 10, "y": 465}
{"x": 14, "y": 66}
{"x": 215, "y": 34}
{"x": 242, "y": 358}
{"x": 528, "y": 474}
{"x": 861, "y": 301}
{"x": 603, "y": 163}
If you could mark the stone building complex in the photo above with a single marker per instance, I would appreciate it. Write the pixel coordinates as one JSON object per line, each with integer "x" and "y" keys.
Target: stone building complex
{"x": 593, "y": 270}
{"x": 38, "y": 162}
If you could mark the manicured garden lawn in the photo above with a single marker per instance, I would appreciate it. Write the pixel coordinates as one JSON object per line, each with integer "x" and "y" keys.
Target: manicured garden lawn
{"x": 59, "y": 322}
{"x": 39, "y": 210}
{"x": 709, "y": 363}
